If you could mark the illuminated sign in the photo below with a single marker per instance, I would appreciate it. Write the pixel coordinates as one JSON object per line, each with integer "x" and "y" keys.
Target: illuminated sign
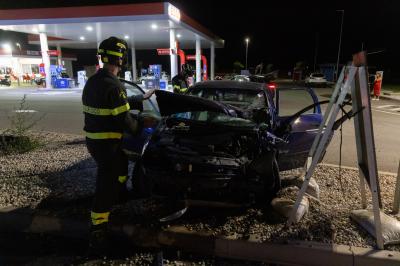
{"x": 174, "y": 12}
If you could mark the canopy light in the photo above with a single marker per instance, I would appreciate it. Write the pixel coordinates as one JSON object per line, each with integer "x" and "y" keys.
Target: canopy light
{"x": 7, "y": 47}
{"x": 89, "y": 28}
{"x": 154, "y": 26}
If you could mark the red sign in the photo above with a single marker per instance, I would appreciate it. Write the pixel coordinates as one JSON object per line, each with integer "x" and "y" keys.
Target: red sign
{"x": 164, "y": 51}
{"x": 53, "y": 52}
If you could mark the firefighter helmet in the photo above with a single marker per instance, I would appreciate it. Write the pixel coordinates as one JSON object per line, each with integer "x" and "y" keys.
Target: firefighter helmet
{"x": 114, "y": 50}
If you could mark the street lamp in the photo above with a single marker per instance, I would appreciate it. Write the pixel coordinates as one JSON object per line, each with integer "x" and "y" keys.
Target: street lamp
{"x": 340, "y": 43}
{"x": 247, "y": 40}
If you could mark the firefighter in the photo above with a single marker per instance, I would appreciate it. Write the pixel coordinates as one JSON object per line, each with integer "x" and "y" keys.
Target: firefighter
{"x": 106, "y": 111}
{"x": 180, "y": 82}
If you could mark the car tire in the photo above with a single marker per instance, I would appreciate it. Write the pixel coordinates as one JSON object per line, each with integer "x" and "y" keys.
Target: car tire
{"x": 267, "y": 169}
{"x": 271, "y": 179}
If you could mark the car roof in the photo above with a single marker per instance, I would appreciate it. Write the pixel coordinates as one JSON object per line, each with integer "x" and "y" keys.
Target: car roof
{"x": 230, "y": 84}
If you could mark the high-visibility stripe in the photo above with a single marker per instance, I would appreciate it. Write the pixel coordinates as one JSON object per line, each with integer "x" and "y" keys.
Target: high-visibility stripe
{"x": 102, "y": 111}
{"x": 122, "y": 178}
{"x": 99, "y": 217}
{"x": 100, "y": 51}
{"x": 114, "y": 53}
{"x": 121, "y": 45}
{"x": 177, "y": 87}
{"x": 104, "y": 135}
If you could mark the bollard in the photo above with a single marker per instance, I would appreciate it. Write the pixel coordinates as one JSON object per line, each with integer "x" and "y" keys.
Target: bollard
{"x": 396, "y": 201}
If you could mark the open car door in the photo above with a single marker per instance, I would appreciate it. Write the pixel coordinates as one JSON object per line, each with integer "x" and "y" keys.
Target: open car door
{"x": 304, "y": 128}
{"x": 134, "y": 145}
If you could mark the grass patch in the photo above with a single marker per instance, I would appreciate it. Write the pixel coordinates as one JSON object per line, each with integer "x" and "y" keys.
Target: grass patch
{"x": 17, "y": 138}
{"x": 18, "y": 144}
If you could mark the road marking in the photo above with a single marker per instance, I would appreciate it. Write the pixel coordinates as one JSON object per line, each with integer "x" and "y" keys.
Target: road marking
{"x": 395, "y": 109}
{"x": 385, "y": 112}
{"x": 25, "y": 111}
{"x": 385, "y": 106}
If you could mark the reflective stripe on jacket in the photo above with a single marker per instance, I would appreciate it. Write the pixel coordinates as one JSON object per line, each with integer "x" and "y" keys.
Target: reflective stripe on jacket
{"x": 105, "y": 106}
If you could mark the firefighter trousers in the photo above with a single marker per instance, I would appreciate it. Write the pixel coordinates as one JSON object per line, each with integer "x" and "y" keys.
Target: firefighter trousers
{"x": 112, "y": 170}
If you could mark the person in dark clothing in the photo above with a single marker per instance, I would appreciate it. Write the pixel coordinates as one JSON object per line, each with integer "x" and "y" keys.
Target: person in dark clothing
{"x": 106, "y": 116}
{"x": 179, "y": 82}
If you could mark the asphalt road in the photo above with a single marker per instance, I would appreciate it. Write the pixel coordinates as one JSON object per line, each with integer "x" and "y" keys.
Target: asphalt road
{"x": 62, "y": 113}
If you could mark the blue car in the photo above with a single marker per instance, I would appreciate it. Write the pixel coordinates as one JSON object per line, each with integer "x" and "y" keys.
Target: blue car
{"x": 223, "y": 137}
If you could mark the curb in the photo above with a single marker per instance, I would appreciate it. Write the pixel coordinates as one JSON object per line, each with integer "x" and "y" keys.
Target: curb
{"x": 289, "y": 253}
{"x": 386, "y": 97}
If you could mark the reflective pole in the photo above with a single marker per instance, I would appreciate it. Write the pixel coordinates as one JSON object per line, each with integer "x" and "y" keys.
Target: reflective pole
{"x": 198, "y": 59}
{"x": 212, "y": 68}
{"x": 134, "y": 67}
{"x": 45, "y": 57}
{"x": 59, "y": 55}
{"x": 173, "y": 57}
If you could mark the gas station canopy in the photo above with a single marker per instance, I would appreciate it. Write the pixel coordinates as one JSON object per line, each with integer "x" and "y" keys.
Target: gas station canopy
{"x": 146, "y": 24}
{"x": 142, "y": 25}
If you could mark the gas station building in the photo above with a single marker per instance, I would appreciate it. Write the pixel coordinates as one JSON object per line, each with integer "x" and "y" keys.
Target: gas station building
{"x": 160, "y": 26}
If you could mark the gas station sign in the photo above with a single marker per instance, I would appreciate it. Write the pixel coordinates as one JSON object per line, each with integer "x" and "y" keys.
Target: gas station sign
{"x": 174, "y": 12}
{"x": 53, "y": 52}
{"x": 164, "y": 51}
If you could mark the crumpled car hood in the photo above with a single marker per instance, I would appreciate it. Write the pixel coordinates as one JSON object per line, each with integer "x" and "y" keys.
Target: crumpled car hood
{"x": 172, "y": 103}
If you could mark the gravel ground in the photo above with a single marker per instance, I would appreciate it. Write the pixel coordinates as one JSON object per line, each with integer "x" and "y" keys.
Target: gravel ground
{"x": 61, "y": 168}
{"x": 64, "y": 169}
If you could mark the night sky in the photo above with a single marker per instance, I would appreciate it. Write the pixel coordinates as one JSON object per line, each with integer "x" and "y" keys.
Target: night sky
{"x": 285, "y": 32}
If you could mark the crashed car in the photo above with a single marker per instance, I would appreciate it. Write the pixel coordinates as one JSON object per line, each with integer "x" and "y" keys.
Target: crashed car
{"x": 224, "y": 137}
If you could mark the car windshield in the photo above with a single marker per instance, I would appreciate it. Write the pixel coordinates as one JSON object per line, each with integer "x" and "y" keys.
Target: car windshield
{"x": 241, "y": 98}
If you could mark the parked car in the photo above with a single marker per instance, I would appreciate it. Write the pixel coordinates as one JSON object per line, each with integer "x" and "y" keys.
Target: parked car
{"x": 241, "y": 78}
{"x": 316, "y": 79}
{"x": 225, "y": 137}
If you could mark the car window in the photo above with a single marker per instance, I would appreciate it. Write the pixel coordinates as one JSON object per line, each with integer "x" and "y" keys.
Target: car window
{"x": 133, "y": 90}
{"x": 292, "y": 101}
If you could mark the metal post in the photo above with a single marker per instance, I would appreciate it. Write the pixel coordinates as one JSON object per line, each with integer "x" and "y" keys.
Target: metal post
{"x": 212, "y": 70}
{"x": 316, "y": 50}
{"x": 134, "y": 67}
{"x": 45, "y": 57}
{"x": 173, "y": 57}
{"x": 320, "y": 141}
{"x": 396, "y": 201}
{"x": 198, "y": 59}
{"x": 247, "y": 49}
{"x": 59, "y": 55}
{"x": 340, "y": 43}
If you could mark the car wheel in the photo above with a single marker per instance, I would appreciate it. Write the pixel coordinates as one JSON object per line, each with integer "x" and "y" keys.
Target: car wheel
{"x": 271, "y": 178}
{"x": 266, "y": 167}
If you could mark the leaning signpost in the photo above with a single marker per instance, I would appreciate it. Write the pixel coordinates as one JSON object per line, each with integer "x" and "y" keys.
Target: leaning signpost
{"x": 353, "y": 81}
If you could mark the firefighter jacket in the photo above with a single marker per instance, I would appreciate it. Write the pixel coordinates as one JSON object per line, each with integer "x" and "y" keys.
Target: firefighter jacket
{"x": 179, "y": 84}
{"x": 106, "y": 107}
